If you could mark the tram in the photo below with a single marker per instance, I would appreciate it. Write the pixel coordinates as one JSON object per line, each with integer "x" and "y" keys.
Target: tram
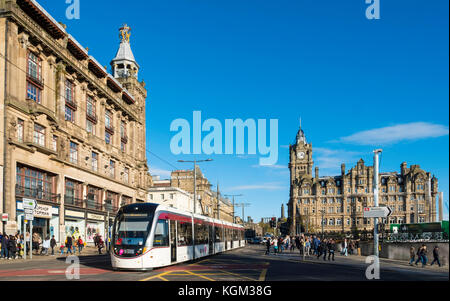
{"x": 147, "y": 236}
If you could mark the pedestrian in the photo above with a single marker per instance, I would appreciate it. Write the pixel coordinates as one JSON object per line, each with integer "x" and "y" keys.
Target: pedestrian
{"x": 331, "y": 249}
{"x": 280, "y": 245}
{"x": 36, "y": 242}
{"x": 268, "y": 244}
{"x": 80, "y": 244}
{"x": 53, "y": 244}
{"x": 27, "y": 242}
{"x": 324, "y": 249}
{"x": 100, "y": 245}
{"x": 20, "y": 246}
{"x": 412, "y": 255}
{"x": 74, "y": 245}
{"x": 419, "y": 256}
{"x": 61, "y": 248}
{"x": 12, "y": 247}
{"x": 423, "y": 254}
{"x": 4, "y": 250}
{"x": 345, "y": 247}
{"x": 436, "y": 256}
{"x": 307, "y": 246}
{"x": 69, "y": 243}
{"x": 45, "y": 246}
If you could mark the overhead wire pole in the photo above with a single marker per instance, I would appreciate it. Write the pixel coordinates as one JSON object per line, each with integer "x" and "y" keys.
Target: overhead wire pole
{"x": 233, "y": 196}
{"x": 195, "y": 176}
{"x": 375, "y": 199}
{"x": 243, "y": 205}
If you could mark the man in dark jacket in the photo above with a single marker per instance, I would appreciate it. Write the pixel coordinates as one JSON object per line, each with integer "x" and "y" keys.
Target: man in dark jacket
{"x": 5, "y": 243}
{"x": 69, "y": 244}
{"x": 53, "y": 244}
{"x": 436, "y": 256}
{"x": 267, "y": 245}
{"x": 331, "y": 248}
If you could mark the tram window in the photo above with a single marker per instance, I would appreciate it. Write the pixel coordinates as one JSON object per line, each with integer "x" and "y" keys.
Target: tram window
{"x": 217, "y": 232}
{"x": 184, "y": 231}
{"x": 161, "y": 238}
{"x": 201, "y": 234}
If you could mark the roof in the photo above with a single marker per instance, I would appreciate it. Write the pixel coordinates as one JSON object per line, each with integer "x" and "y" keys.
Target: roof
{"x": 125, "y": 53}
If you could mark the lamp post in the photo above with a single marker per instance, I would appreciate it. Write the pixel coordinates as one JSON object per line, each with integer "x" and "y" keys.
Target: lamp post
{"x": 322, "y": 212}
{"x": 195, "y": 176}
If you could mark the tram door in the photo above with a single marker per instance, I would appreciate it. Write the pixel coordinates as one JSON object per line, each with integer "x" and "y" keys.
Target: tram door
{"x": 226, "y": 237}
{"x": 211, "y": 240}
{"x": 173, "y": 241}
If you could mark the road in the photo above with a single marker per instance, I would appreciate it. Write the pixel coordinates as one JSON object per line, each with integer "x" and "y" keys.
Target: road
{"x": 247, "y": 264}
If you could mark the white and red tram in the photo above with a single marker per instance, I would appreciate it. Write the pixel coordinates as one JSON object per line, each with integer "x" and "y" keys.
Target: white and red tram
{"x": 147, "y": 236}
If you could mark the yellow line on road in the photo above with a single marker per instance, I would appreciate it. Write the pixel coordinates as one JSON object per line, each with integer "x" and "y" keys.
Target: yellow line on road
{"x": 156, "y": 276}
{"x": 262, "y": 277}
{"x": 198, "y": 275}
{"x": 240, "y": 276}
{"x": 162, "y": 278}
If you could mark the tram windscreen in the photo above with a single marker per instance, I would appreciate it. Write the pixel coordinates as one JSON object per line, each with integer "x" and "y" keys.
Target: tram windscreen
{"x": 132, "y": 229}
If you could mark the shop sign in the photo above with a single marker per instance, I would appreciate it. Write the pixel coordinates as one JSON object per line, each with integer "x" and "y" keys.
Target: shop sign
{"x": 96, "y": 217}
{"x": 43, "y": 211}
{"x": 74, "y": 213}
{"x": 11, "y": 228}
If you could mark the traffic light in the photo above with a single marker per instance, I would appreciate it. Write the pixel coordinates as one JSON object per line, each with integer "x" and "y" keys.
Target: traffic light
{"x": 273, "y": 222}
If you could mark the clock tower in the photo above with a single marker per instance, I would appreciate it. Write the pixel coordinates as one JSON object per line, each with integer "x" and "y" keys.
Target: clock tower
{"x": 300, "y": 166}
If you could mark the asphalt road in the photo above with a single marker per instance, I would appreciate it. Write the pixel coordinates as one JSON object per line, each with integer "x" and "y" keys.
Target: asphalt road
{"x": 247, "y": 264}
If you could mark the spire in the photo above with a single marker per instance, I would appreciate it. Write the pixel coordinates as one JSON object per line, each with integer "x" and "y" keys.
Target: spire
{"x": 301, "y": 135}
{"x": 124, "y": 64}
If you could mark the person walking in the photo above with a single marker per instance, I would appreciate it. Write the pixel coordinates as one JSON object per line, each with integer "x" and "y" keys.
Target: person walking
{"x": 53, "y": 244}
{"x": 4, "y": 250}
{"x": 331, "y": 249}
{"x": 436, "y": 256}
{"x": 424, "y": 255}
{"x": 12, "y": 247}
{"x": 100, "y": 245}
{"x": 45, "y": 246}
{"x": 345, "y": 247}
{"x": 80, "y": 244}
{"x": 412, "y": 255}
{"x": 307, "y": 246}
{"x": 36, "y": 240}
{"x": 268, "y": 244}
{"x": 69, "y": 244}
{"x": 74, "y": 245}
{"x": 419, "y": 256}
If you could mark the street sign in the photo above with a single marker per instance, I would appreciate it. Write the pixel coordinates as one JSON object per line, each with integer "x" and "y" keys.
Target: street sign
{"x": 5, "y": 217}
{"x": 29, "y": 217}
{"x": 377, "y": 212}
{"x": 29, "y": 204}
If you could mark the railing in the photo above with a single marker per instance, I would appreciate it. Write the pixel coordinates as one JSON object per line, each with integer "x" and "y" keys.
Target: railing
{"x": 92, "y": 117}
{"x": 72, "y": 201}
{"x": 109, "y": 129}
{"x": 72, "y": 103}
{"x": 36, "y": 193}
{"x": 124, "y": 138}
{"x": 91, "y": 204}
{"x": 36, "y": 80}
{"x": 110, "y": 208}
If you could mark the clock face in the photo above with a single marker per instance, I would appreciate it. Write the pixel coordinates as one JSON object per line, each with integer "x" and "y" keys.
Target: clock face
{"x": 301, "y": 155}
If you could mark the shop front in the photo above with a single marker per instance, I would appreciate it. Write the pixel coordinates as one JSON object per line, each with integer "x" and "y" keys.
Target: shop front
{"x": 45, "y": 223}
{"x": 74, "y": 224}
{"x": 95, "y": 225}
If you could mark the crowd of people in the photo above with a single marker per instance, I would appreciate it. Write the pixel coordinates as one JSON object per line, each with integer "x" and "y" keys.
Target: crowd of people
{"x": 312, "y": 245}
{"x": 13, "y": 246}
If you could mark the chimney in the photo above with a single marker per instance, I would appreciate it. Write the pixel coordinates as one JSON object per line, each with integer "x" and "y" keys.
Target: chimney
{"x": 317, "y": 172}
{"x": 404, "y": 168}
{"x": 343, "y": 169}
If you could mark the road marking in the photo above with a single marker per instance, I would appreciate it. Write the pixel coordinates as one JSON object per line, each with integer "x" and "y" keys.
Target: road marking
{"x": 162, "y": 278}
{"x": 156, "y": 276}
{"x": 262, "y": 277}
{"x": 204, "y": 277}
{"x": 238, "y": 275}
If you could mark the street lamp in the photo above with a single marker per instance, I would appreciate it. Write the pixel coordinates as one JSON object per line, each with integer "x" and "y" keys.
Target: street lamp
{"x": 195, "y": 176}
{"x": 323, "y": 212}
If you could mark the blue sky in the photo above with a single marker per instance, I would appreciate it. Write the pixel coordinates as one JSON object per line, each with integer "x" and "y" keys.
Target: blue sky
{"x": 350, "y": 79}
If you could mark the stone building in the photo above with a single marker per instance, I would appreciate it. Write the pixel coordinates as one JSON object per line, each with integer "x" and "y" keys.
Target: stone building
{"x": 74, "y": 136}
{"x": 339, "y": 200}
{"x": 211, "y": 203}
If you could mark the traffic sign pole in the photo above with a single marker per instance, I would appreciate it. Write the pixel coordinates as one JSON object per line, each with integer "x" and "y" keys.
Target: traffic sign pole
{"x": 375, "y": 198}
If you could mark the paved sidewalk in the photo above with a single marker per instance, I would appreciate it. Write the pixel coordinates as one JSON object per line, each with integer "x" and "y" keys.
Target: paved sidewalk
{"x": 340, "y": 259}
{"x": 87, "y": 251}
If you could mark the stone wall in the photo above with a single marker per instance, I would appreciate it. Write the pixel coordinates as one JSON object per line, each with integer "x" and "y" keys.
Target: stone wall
{"x": 400, "y": 251}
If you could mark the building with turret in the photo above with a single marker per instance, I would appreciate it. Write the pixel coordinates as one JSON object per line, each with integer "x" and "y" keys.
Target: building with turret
{"x": 337, "y": 202}
{"x": 73, "y": 134}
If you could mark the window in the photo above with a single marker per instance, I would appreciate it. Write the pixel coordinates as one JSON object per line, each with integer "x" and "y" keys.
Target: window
{"x": 73, "y": 192}
{"x": 348, "y": 222}
{"x": 90, "y": 109}
{"x": 107, "y": 138}
{"x": 200, "y": 233}
{"x": 33, "y": 183}
{"x": 94, "y": 197}
{"x": 108, "y": 119}
{"x": 162, "y": 196}
{"x": 55, "y": 143}
{"x": 70, "y": 114}
{"x": 94, "y": 161}
{"x": 34, "y": 78}
{"x": 171, "y": 196}
{"x": 184, "y": 234}
{"x": 39, "y": 135}
{"x": 112, "y": 168}
{"x": 73, "y": 152}
{"x": 126, "y": 173}
{"x": 69, "y": 91}
{"x": 339, "y": 222}
{"x": 161, "y": 237}
{"x": 90, "y": 127}
{"x": 20, "y": 128}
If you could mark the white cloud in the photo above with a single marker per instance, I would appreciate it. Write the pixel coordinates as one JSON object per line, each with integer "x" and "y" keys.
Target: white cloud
{"x": 271, "y": 166}
{"x": 329, "y": 160}
{"x": 265, "y": 186}
{"x": 160, "y": 172}
{"x": 396, "y": 133}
